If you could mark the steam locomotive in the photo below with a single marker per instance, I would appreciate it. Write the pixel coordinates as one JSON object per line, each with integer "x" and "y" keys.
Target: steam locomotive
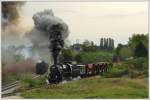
{"x": 67, "y": 71}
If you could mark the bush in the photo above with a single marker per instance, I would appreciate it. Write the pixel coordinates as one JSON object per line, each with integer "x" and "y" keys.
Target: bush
{"x": 29, "y": 82}
{"x": 117, "y": 71}
{"x": 135, "y": 73}
{"x": 137, "y": 67}
{"x": 133, "y": 68}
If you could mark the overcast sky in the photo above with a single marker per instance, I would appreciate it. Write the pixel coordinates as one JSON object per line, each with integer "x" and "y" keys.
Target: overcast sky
{"x": 93, "y": 20}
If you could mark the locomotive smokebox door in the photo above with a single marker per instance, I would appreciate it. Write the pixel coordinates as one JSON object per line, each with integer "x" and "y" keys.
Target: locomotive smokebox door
{"x": 55, "y": 75}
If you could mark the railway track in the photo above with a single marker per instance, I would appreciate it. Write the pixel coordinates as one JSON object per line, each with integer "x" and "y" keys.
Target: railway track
{"x": 9, "y": 89}
{"x": 8, "y": 86}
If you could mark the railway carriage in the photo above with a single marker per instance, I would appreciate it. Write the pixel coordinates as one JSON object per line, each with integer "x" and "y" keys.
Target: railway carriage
{"x": 75, "y": 71}
{"x": 82, "y": 70}
{"x": 90, "y": 69}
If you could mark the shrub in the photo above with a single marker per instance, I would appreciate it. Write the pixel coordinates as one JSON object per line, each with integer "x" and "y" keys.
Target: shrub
{"x": 29, "y": 82}
{"x": 137, "y": 67}
{"x": 117, "y": 71}
{"x": 133, "y": 68}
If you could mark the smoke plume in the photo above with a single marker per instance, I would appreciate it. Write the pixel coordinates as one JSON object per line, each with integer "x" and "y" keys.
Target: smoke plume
{"x": 28, "y": 41}
{"x": 13, "y": 28}
{"x": 53, "y": 28}
{"x": 10, "y": 11}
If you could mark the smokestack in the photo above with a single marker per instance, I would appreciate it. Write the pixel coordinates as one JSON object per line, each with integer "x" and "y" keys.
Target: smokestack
{"x": 54, "y": 28}
{"x": 56, "y": 40}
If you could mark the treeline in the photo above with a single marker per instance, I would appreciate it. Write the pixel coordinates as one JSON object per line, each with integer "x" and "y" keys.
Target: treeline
{"x": 137, "y": 46}
{"x": 106, "y": 44}
{"x": 88, "y": 52}
{"x": 85, "y": 57}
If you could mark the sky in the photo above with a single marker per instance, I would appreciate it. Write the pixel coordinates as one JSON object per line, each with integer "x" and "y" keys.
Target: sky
{"x": 94, "y": 20}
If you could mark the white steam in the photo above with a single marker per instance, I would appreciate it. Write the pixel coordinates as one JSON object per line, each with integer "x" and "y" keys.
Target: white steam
{"x": 20, "y": 38}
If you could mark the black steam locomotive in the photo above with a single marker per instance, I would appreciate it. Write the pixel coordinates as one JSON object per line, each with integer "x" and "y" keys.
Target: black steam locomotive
{"x": 68, "y": 71}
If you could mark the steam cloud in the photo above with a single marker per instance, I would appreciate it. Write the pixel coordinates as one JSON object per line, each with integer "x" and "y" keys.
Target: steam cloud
{"x": 10, "y": 11}
{"x": 12, "y": 27}
{"x": 31, "y": 42}
{"x": 50, "y": 26}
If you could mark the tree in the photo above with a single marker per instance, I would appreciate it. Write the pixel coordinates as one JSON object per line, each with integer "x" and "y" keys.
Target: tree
{"x": 105, "y": 43}
{"x": 137, "y": 38}
{"x": 67, "y": 55}
{"x": 86, "y": 43}
{"x": 112, "y": 44}
{"x": 78, "y": 58}
{"x": 139, "y": 45}
{"x": 102, "y": 43}
{"x": 140, "y": 50}
{"x": 118, "y": 48}
{"x": 125, "y": 52}
{"x": 92, "y": 43}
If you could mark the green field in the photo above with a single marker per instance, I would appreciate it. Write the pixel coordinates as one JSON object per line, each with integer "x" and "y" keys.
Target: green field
{"x": 93, "y": 87}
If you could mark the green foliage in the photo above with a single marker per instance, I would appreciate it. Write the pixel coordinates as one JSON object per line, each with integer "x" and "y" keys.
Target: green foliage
{"x": 118, "y": 49}
{"x": 140, "y": 50}
{"x": 117, "y": 71}
{"x": 29, "y": 82}
{"x": 139, "y": 45}
{"x": 138, "y": 67}
{"x": 89, "y": 55}
{"x": 101, "y": 43}
{"x": 136, "y": 47}
{"x": 133, "y": 68}
{"x": 125, "y": 52}
{"x": 92, "y": 57}
{"x": 91, "y": 48}
{"x": 78, "y": 58}
{"x": 68, "y": 55}
{"x": 106, "y": 44}
{"x": 137, "y": 38}
{"x": 93, "y": 87}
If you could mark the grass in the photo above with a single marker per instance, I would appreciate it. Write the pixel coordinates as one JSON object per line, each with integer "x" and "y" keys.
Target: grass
{"x": 92, "y": 87}
{"x": 29, "y": 82}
